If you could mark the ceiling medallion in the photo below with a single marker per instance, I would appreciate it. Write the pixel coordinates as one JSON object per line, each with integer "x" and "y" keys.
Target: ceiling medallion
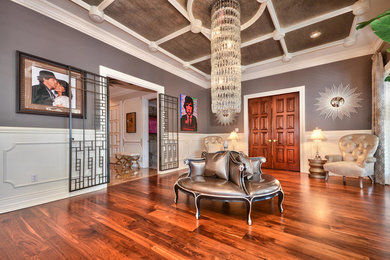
{"x": 338, "y": 102}
{"x": 225, "y": 58}
{"x": 225, "y": 118}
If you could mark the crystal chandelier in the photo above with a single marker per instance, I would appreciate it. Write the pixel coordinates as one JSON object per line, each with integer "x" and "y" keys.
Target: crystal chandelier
{"x": 225, "y": 57}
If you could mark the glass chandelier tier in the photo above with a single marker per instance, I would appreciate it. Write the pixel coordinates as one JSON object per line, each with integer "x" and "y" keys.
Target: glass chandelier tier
{"x": 225, "y": 57}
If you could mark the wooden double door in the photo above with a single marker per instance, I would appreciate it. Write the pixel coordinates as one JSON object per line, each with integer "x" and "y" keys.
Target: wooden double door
{"x": 274, "y": 130}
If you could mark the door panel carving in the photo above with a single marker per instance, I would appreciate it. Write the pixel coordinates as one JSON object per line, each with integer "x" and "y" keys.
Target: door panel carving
{"x": 277, "y": 137}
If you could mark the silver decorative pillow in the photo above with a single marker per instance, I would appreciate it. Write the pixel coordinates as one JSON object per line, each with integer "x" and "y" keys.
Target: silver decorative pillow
{"x": 217, "y": 164}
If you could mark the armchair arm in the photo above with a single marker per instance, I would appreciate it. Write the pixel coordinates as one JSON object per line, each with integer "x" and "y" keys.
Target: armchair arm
{"x": 196, "y": 166}
{"x": 257, "y": 162}
{"x": 334, "y": 157}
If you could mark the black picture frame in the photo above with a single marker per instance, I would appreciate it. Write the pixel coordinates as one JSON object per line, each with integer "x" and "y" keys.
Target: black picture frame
{"x": 43, "y": 87}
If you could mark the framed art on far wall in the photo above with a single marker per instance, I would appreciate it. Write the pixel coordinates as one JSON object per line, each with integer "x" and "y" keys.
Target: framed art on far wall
{"x": 188, "y": 113}
{"x": 48, "y": 88}
{"x": 131, "y": 122}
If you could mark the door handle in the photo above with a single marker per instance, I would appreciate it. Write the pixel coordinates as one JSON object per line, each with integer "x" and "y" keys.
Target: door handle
{"x": 269, "y": 140}
{"x": 275, "y": 140}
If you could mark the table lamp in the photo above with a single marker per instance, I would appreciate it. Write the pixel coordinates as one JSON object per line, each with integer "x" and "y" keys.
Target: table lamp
{"x": 233, "y": 137}
{"x": 317, "y": 136}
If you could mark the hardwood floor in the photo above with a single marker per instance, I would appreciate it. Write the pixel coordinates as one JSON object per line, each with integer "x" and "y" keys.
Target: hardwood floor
{"x": 138, "y": 219}
{"x": 119, "y": 175}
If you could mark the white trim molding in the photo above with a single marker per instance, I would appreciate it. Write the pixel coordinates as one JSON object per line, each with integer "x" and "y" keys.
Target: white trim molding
{"x": 301, "y": 91}
{"x": 111, "y": 73}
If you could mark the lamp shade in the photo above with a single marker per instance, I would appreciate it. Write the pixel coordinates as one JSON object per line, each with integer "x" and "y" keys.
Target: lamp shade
{"x": 233, "y": 136}
{"x": 317, "y": 134}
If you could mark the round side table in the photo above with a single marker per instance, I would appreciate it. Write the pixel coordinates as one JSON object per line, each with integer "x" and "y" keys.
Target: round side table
{"x": 317, "y": 168}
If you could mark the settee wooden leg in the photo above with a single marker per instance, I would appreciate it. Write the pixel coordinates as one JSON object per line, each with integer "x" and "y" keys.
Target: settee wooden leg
{"x": 344, "y": 180}
{"x": 371, "y": 177}
{"x": 176, "y": 188}
{"x": 280, "y": 200}
{"x": 361, "y": 182}
{"x": 197, "y": 206}
{"x": 248, "y": 211}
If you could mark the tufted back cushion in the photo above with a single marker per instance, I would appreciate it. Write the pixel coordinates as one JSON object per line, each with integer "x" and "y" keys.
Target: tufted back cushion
{"x": 357, "y": 147}
{"x": 213, "y": 144}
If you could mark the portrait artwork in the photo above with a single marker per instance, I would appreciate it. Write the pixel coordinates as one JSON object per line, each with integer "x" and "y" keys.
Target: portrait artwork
{"x": 188, "y": 113}
{"x": 131, "y": 122}
{"x": 46, "y": 88}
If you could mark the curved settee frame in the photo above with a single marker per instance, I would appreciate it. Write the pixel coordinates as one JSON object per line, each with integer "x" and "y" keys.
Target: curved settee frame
{"x": 247, "y": 188}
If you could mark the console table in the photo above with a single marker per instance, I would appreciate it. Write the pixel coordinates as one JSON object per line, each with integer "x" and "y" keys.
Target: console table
{"x": 127, "y": 160}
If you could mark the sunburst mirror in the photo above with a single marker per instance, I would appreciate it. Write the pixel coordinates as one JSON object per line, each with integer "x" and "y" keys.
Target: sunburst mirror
{"x": 337, "y": 102}
{"x": 225, "y": 118}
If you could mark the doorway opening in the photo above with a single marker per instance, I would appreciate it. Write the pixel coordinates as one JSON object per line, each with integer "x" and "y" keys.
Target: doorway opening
{"x": 131, "y": 127}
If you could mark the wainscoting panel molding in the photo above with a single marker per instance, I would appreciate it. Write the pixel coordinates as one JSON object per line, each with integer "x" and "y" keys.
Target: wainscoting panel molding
{"x": 34, "y": 166}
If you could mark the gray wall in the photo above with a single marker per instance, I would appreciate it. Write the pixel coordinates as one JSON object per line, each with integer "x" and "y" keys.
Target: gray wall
{"x": 355, "y": 72}
{"x": 27, "y": 31}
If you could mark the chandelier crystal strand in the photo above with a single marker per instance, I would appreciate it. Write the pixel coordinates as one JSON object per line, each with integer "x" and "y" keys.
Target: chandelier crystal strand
{"x": 225, "y": 57}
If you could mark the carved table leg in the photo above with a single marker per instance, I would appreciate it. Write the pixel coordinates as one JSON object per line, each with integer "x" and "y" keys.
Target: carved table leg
{"x": 280, "y": 200}
{"x": 249, "y": 210}
{"x": 176, "y": 188}
{"x": 197, "y": 206}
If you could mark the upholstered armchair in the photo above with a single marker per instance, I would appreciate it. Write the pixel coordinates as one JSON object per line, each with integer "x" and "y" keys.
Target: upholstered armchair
{"x": 356, "y": 159}
{"x": 213, "y": 144}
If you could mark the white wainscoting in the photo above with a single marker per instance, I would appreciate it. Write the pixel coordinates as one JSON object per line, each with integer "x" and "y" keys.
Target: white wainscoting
{"x": 34, "y": 166}
{"x": 329, "y": 146}
{"x": 34, "y": 162}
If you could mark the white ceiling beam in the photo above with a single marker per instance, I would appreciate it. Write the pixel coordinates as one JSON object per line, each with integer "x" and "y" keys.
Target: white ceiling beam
{"x": 279, "y": 33}
{"x": 318, "y": 19}
{"x": 174, "y": 35}
{"x": 351, "y": 39}
{"x": 200, "y": 59}
{"x": 255, "y": 17}
{"x": 256, "y": 40}
{"x": 179, "y": 8}
{"x": 103, "y": 5}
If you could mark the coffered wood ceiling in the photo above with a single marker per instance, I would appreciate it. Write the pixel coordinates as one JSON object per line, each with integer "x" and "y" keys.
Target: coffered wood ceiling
{"x": 270, "y": 29}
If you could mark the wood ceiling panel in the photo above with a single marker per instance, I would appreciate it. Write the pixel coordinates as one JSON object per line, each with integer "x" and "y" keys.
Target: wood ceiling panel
{"x": 260, "y": 51}
{"x": 334, "y": 29}
{"x": 201, "y": 10}
{"x": 290, "y": 12}
{"x": 152, "y": 19}
{"x": 204, "y": 66}
{"x": 262, "y": 26}
{"x": 188, "y": 46}
{"x": 93, "y": 2}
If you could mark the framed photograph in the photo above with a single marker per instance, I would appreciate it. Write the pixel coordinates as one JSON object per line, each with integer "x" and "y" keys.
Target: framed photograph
{"x": 188, "y": 113}
{"x": 48, "y": 88}
{"x": 131, "y": 122}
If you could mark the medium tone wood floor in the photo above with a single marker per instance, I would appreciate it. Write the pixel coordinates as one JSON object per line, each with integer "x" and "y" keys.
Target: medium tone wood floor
{"x": 138, "y": 219}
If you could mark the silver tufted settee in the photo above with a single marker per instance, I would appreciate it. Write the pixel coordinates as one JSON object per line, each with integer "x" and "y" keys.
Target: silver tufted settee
{"x": 228, "y": 176}
{"x": 356, "y": 159}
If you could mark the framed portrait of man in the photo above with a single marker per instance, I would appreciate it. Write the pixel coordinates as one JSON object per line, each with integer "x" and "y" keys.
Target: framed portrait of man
{"x": 188, "y": 113}
{"x": 48, "y": 88}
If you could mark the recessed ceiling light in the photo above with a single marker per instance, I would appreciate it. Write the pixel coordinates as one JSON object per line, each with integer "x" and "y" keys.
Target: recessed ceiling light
{"x": 315, "y": 34}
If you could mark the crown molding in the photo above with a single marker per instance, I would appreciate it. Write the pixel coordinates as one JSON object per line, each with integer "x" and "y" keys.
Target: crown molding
{"x": 63, "y": 16}
{"x": 276, "y": 67}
